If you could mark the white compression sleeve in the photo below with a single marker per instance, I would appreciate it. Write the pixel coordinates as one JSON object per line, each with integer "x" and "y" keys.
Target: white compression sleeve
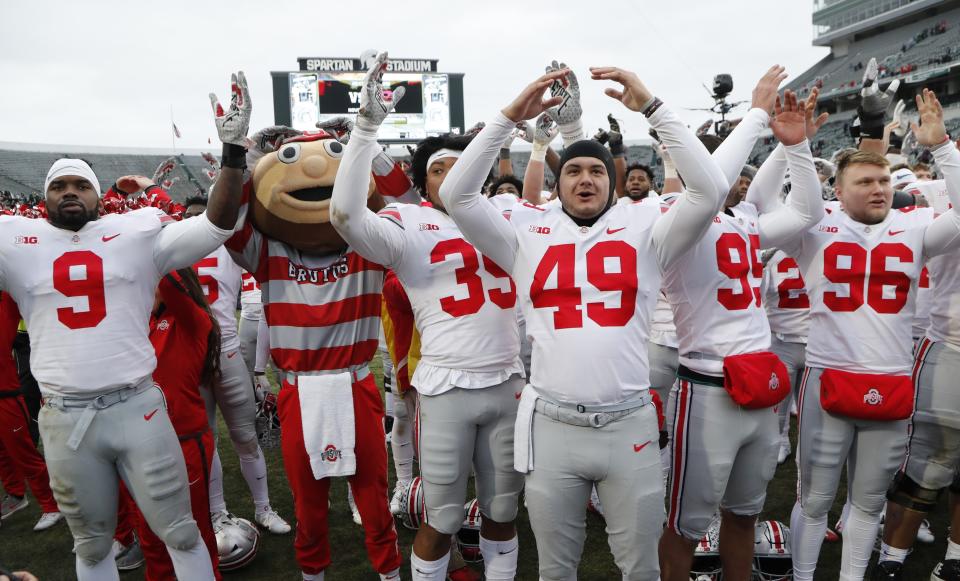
{"x": 944, "y": 234}
{"x": 181, "y": 244}
{"x": 263, "y": 345}
{"x": 806, "y": 202}
{"x": 735, "y": 149}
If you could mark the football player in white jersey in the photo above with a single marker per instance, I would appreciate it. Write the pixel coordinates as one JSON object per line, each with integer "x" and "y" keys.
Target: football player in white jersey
{"x": 722, "y": 416}
{"x": 587, "y": 273}
{"x": 470, "y": 376}
{"x": 933, "y": 448}
{"x": 85, "y": 287}
{"x": 861, "y": 266}
{"x": 232, "y": 391}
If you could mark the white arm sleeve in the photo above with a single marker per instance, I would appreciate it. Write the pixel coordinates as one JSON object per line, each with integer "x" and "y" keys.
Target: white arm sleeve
{"x": 481, "y": 223}
{"x": 689, "y": 217}
{"x": 181, "y": 244}
{"x": 944, "y": 234}
{"x": 784, "y": 224}
{"x": 263, "y": 346}
{"x": 764, "y": 190}
{"x": 375, "y": 239}
{"x": 733, "y": 153}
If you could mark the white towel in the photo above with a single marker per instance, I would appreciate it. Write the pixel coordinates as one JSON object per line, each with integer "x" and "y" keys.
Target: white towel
{"x": 523, "y": 431}
{"x": 329, "y": 432}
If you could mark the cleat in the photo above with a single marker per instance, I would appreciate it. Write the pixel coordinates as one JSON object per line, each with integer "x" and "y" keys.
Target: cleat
{"x": 924, "y": 534}
{"x": 273, "y": 522}
{"x": 948, "y": 570}
{"x": 128, "y": 558}
{"x": 47, "y": 520}
{"x": 10, "y": 504}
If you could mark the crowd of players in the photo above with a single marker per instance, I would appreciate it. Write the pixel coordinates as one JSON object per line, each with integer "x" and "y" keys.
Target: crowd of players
{"x": 508, "y": 313}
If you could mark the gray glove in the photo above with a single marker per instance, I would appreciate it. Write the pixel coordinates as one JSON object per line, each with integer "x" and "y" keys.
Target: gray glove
{"x": 567, "y": 114}
{"x": 339, "y": 127}
{"x": 233, "y": 124}
{"x": 373, "y": 109}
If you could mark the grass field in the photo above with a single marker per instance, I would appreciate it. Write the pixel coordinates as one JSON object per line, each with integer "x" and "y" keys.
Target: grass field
{"x": 48, "y": 554}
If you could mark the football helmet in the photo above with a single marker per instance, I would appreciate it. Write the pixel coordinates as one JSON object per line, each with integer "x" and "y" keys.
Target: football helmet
{"x": 268, "y": 422}
{"x": 412, "y": 508}
{"x": 237, "y": 541}
{"x": 772, "y": 558}
{"x": 468, "y": 537}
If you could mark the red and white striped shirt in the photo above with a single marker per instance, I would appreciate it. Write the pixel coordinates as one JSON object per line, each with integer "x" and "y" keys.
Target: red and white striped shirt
{"x": 323, "y": 311}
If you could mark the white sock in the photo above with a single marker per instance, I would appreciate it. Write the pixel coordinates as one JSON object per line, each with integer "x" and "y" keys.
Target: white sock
{"x": 314, "y": 577}
{"x": 391, "y": 576}
{"x": 401, "y": 444}
{"x": 217, "y": 504}
{"x": 192, "y": 563}
{"x": 105, "y": 570}
{"x": 806, "y": 536}
{"x": 429, "y": 570}
{"x": 953, "y": 551}
{"x": 888, "y": 553}
{"x": 254, "y": 471}
{"x": 859, "y": 535}
{"x": 499, "y": 559}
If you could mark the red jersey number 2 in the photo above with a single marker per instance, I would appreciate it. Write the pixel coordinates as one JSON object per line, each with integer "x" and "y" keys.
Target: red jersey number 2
{"x": 69, "y": 282}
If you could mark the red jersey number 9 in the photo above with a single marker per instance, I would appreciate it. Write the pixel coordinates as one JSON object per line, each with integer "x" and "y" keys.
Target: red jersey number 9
{"x": 89, "y": 285}
{"x": 567, "y": 297}
{"x": 747, "y": 264}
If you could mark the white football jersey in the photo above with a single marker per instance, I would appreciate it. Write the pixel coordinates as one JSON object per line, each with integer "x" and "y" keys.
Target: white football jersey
{"x": 861, "y": 280}
{"x": 86, "y": 296}
{"x": 463, "y": 304}
{"x": 715, "y": 293}
{"x": 251, "y": 304}
{"x": 219, "y": 278}
{"x": 785, "y": 298}
{"x": 587, "y": 313}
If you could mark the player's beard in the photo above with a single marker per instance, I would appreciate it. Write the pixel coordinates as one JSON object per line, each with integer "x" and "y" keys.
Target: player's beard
{"x": 72, "y": 222}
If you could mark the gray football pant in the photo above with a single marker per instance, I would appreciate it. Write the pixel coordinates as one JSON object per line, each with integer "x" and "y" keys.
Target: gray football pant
{"x": 623, "y": 459}
{"x": 794, "y": 356}
{"x": 464, "y": 428}
{"x": 234, "y": 395}
{"x": 933, "y": 450}
{"x": 247, "y": 330}
{"x": 134, "y": 441}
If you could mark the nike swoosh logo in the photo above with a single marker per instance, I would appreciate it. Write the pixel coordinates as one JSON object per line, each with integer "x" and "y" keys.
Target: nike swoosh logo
{"x": 194, "y": 482}
{"x": 506, "y": 552}
{"x": 149, "y": 416}
{"x": 638, "y": 447}
{"x": 615, "y": 230}
{"x": 231, "y": 355}
{"x": 18, "y": 429}
{"x": 895, "y": 232}
{"x": 109, "y": 238}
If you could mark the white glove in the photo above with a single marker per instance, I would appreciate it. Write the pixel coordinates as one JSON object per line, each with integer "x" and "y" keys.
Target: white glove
{"x": 567, "y": 114}
{"x": 545, "y": 132}
{"x": 524, "y": 131}
{"x": 373, "y": 109}
{"x": 340, "y": 127}
{"x": 669, "y": 170}
{"x": 261, "y": 386}
{"x": 232, "y": 125}
{"x": 901, "y": 128}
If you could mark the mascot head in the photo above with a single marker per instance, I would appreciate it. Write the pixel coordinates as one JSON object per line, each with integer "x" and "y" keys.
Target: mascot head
{"x": 291, "y": 192}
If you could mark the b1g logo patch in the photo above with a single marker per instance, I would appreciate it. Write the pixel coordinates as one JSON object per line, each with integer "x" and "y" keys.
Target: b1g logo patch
{"x": 872, "y": 397}
{"x": 331, "y": 454}
{"x": 26, "y": 240}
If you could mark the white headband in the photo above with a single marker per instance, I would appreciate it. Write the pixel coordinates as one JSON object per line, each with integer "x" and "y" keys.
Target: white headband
{"x": 71, "y": 167}
{"x": 441, "y": 153}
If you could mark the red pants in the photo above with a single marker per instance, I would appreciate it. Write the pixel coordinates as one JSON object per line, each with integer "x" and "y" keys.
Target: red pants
{"x": 198, "y": 454}
{"x": 369, "y": 484}
{"x": 19, "y": 457}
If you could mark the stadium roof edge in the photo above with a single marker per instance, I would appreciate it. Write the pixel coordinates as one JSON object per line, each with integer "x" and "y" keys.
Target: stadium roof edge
{"x": 76, "y": 149}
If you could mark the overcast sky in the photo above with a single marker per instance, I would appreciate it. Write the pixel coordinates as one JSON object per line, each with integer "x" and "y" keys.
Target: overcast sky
{"x": 107, "y": 73}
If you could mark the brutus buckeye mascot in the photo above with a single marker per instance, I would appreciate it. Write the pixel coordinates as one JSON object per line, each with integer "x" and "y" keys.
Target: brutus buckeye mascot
{"x": 322, "y": 303}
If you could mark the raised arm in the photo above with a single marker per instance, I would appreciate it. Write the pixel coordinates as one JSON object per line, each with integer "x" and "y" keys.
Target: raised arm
{"x": 688, "y": 218}
{"x": 944, "y": 234}
{"x": 543, "y": 133}
{"x": 735, "y": 149}
{"x": 376, "y": 239}
{"x": 180, "y": 244}
{"x": 232, "y": 125}
{"x": 780, "y": 225}
{"x": 481, "y": 223}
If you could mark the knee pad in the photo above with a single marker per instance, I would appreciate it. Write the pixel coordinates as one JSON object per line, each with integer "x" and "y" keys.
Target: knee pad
{"x": 816, "y": 505}
{"x": 502, "y": 508}
{"x": 181, "y": 536}
{"x": 248, "y": 449}
{"x": 446, "y": 519}
{"x": 92, "y": 550}
{"x": 910, "y": 495}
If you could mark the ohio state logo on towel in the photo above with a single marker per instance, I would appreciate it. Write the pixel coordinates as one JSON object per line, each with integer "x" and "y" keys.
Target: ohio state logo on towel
{"x": 331, "y": 454}
{"x": 774, "y": 382}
